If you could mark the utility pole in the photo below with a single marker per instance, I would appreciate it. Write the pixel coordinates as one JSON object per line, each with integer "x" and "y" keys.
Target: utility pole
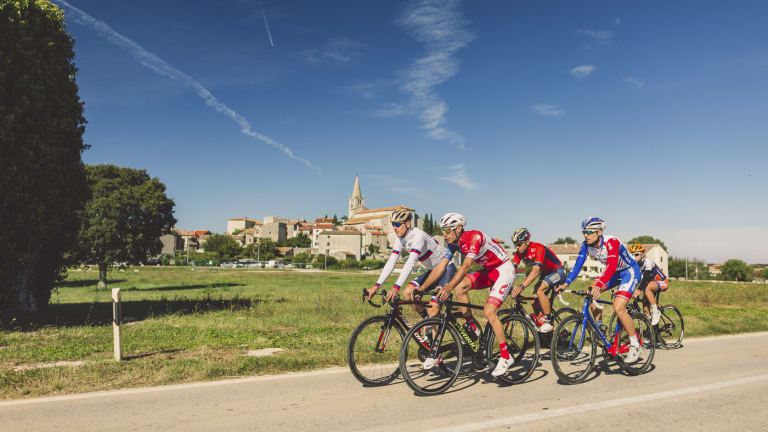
{"x": 258, "y": 251}
{"x": 686, "y": 268}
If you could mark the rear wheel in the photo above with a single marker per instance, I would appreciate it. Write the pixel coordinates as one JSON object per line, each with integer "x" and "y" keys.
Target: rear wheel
{"x": 449, "y": 358}
{"x": 573, "y": 350}
{"x": 373, "y": 351}
{"x": 647, "y": 338}
{"x": 523, "y": 346}
{"x": 671, "y": 327}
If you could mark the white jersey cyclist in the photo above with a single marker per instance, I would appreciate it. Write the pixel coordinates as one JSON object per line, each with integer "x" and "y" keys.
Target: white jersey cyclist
{"x": 420, "y": 247}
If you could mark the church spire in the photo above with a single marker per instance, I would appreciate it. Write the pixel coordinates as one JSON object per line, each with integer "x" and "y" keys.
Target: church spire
{"x": 356, "y": 189}
{"x": 356, "y": 201}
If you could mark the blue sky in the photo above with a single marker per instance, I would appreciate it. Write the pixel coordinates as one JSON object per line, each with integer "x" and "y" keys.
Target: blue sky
{"x": 538, "y": 114}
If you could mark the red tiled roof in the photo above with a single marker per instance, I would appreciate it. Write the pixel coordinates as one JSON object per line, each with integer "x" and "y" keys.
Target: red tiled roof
{"x": 245, "y": 219}
{"x": 384, "y": 209}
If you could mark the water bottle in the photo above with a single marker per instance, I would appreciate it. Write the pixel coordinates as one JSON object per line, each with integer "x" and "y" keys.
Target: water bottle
{"x": 470, "y": 331}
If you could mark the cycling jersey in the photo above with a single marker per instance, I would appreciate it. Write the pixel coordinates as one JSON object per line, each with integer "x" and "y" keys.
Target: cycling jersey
{"x": 421, "y": 247}
{"x": 481, "y": 248}
{"x": 651, "y": 272}
{"x": 611, "y": 252}
{"x": 538, "y": 255}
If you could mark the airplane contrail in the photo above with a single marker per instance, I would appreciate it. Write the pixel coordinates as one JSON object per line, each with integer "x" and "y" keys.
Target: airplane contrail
{"x": 266, "y": 24}
{"x": 161, "y": 67}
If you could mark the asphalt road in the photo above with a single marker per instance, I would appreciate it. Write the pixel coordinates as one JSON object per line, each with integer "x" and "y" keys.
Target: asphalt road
{"x": 711, "y": 384}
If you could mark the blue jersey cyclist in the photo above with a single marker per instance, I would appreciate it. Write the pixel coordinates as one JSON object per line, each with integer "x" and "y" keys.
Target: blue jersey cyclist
{"x": 621, "y": 271}
{"x": 421, "y": 247}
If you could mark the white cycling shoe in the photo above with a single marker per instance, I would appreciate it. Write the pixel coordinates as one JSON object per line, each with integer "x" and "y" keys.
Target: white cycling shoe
{"x": 655, "y": 316}
{"x": 546, "y": 328}
{"x": 632, "y": 355}
{"x": 429, "y": 363}
{"x": 502, "y": 366}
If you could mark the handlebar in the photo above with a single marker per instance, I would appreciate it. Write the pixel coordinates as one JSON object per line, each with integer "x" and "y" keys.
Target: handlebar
{"x": 585, "y": 294}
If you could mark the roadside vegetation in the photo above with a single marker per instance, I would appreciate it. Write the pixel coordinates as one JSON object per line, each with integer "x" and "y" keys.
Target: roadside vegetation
{"x": 188, "y": 325}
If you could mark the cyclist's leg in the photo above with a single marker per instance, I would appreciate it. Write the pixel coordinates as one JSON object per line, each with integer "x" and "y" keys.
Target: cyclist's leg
{"x": 626, "y": 282}
{"x": 450, "y": 271}
{"x": 551, "y": 280}
{"x": 408, "y": 295}
{"x": 503, "y": 278}
{"x": 476, "y": 280}
{"x": 650, "y": 292}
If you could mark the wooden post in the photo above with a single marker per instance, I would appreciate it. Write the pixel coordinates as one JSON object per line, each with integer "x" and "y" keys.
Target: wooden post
{"x": 116, "y": 318}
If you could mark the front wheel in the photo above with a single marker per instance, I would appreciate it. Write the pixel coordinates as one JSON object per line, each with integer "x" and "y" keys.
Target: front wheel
{"x": 447, "y": 352}
{"x": 573, "y": 350}
{"x": 523, "y": 346}
{"x": 373, "y": 351}
{"x": 647, "y": 339}
{"x": 671, "y": 327}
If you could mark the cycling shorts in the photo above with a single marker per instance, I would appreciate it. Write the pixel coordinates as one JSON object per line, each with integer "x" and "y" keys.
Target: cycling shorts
{"x": 663, "y": 284}
{"x": 500, "y": 279}
{"x": 555, "y": 278}
{"x": 448, "y": 274}
{"x": 625, "y": 281}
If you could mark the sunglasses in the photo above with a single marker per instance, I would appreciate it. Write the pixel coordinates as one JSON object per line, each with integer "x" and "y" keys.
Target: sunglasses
{"x": 588, "y": 232}
{"x": 397, "y": 224}
{"x": 518, "y": 244}
{"x": 637, "y": 254}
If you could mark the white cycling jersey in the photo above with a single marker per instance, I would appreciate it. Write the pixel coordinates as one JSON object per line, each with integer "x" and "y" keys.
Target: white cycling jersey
{"x": 421, "y": 247}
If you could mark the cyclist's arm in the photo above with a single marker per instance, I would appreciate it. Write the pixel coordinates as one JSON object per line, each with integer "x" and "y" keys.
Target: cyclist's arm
{"x": 460, "y": 273}
{"x": 576, "y": 266}
{"x": 436, "y": 272}
{"x": 413, "y": 258}
{"x": 388, "y": 267}
{"x": 611, "y": 262}
{"x": 532, "y": 275}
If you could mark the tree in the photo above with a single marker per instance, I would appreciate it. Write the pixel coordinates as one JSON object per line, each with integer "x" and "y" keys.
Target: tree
{"x": 646, "y": 239}
{"x": 42, "y": 177}
{"x": 736, "y": 270}
{"x": 263, "y": 249}
{"x": 124, "y": 218}
{"x": 336, "y": 220}
{"x": 225, "y": 246}
{"x": 301, "y": 240}
{"x": 566, "y": 240}
{"x": 764, "y": 273}
{"x": 372, "y": 249}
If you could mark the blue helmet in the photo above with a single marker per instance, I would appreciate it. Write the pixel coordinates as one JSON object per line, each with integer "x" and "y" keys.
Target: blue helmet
{"x": 593, "y": 223}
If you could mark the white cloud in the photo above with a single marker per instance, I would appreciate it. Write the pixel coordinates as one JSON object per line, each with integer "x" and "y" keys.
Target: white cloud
{"x": 598, "y": 35}
{"x": 337, "y": 51}
{"x": 441, "y": 27}
{"x": 634, "y": 81}
{"x": 548, "y": 110}
{"x": 618, "y": 22}
{"x": 460, "y": 177}
{"x": 582, "y": 71}
{"x": 399, "y": 185}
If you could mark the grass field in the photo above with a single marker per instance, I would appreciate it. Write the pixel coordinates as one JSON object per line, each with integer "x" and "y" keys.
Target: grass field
{"x": 197, "y": 325}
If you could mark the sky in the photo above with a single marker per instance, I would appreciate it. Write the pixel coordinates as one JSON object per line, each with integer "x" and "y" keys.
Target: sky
{"x": 650, "y": 115}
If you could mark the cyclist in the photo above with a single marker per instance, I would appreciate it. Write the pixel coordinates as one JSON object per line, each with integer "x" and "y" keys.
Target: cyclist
{"x": 498, "y": 273}
{"x": 543, "y": 262}
{"x": 621, "y": 271}
{"x": 652, "y": 281}
{"x": 422, "y": 248}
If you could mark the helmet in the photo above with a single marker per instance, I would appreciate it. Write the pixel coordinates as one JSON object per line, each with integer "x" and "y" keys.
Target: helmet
{"x": 401, "y": 215}
{"x": 520, "y": 235}
{"x": 594, "y": 223}
{"x": 636, "y": 247}
{"x": 452, "y": 221}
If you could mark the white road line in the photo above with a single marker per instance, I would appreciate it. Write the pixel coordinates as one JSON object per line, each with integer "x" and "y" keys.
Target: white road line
{"x": 513, "y": 420}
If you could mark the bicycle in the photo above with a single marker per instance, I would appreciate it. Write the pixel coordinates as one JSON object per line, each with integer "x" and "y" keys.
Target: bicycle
{"x": 671, "y": 327}
{"x": 557, "y": 315}
{"x": 450, "y": 341}
{"x": 574, "y": 345}
{"x": 370, "y": 343}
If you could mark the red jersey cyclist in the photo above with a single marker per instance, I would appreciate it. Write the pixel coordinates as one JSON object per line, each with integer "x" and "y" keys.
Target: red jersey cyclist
{"x": 652, "y": 281}
{"x": 544, "y": 264}
{"x": 621, "y": 271}
{"x": 498, "y": 273}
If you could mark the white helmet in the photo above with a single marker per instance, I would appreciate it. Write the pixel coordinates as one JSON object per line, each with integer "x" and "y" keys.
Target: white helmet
{"x": 452, "y": 221}
{"x": 593, "y": 223}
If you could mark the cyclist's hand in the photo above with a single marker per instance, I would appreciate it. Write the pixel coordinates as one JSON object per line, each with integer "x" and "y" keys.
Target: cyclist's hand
{"x": 561, "y": 287}
{"x": 596, "y": 291}
{"x": 443, "y": 293}
{"x": 516, "y": 291}
{"x": 417, "y": 293}
{"x": 392, "y": 294}
{"x": 371, "y": 292}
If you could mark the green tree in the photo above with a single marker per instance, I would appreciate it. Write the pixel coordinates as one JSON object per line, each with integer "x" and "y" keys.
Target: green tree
{"x": 566, "y": 240}
{"x": 42, "y": 178}
{"x": 301, "y": 258}
{"x": 124, "y": 218}
{"x": 372, "y": 249}
{"x": 301, "y": 240}
{"x": 736, "y": 270}
{"x": 336, "y": 220}
{"x": 764, "y": 273}
{"x": 646, "y": 239}
{"x": 225, "y": 246}
{"x": 676, "y": 267}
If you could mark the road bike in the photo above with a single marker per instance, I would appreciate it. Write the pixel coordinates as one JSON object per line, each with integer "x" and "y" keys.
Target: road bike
{"x": 374, "y": 346}
{"x": 450, "y": 341}
{"x": 671, "y": 327}
{"x": 555, "y": 317}
{"x": 574, "y": 344}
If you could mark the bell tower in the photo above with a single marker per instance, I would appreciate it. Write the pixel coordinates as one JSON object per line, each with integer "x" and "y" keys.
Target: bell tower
{"x": 357, "y": 200}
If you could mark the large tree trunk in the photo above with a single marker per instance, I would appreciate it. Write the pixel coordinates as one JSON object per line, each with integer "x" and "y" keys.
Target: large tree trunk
{"x": 23, "y": 287}
{"x": 102, "y": 276}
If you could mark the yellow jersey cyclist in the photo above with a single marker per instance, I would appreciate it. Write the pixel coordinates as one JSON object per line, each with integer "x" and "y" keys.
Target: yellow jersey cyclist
{"x": 544, "y": 264}
{"x": 421, "y": 247}
{"x": 621, "y": 271}
{"x": 653, "y": 280}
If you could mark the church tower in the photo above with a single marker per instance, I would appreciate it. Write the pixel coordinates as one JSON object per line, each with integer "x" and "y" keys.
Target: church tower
{"x": 356, "y": 201}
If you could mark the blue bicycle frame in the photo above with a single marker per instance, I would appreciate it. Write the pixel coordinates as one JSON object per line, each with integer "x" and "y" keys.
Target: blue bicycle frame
{"x": 587, "y": 318}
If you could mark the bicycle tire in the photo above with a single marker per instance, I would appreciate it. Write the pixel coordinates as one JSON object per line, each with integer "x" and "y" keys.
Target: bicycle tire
{"x": 647, "y": 337}
{"x": 670, "y": 323}
{"x": 572, "y": 364}
{"x": 362, "y": 350}
{"x": 441, "y": 377}
{"x": 523, "y": 345}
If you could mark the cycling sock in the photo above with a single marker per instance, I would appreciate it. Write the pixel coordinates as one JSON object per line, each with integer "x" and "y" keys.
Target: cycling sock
{"x": 654, "y": 308}
{"x": 633, "y": 341}
{"x": 504, "y": 352}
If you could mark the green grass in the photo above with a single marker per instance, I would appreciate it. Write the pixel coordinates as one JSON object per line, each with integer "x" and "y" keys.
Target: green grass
{"x": 198, "y": 325}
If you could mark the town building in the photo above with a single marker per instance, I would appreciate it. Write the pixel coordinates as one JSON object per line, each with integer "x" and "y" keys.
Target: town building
{"x": 242, "y": 223}
{"x": 348, "y": 242}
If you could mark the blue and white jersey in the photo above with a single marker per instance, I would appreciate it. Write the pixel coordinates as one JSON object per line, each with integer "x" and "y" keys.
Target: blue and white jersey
{"x": 420, "y": 247}
{"x": 609, "y": 251}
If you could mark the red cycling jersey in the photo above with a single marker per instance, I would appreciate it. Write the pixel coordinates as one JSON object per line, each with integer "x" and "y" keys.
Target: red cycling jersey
{"x": 538, "y": 254}
{"x": 481, "y": 248}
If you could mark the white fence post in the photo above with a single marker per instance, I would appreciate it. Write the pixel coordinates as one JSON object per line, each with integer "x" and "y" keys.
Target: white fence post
{"x": 116, "y": 318}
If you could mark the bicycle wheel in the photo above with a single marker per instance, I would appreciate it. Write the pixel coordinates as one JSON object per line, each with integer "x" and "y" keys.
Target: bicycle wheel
{"x": 557, "y": 317}
{"x": 671, "y": 327}
{"x": 523, "y": 345}
{"x": 373, "y": 351}
{"x": 439, "y": 378}
{"x": 573, "y": 350}
{"x": 647, "y": 338}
